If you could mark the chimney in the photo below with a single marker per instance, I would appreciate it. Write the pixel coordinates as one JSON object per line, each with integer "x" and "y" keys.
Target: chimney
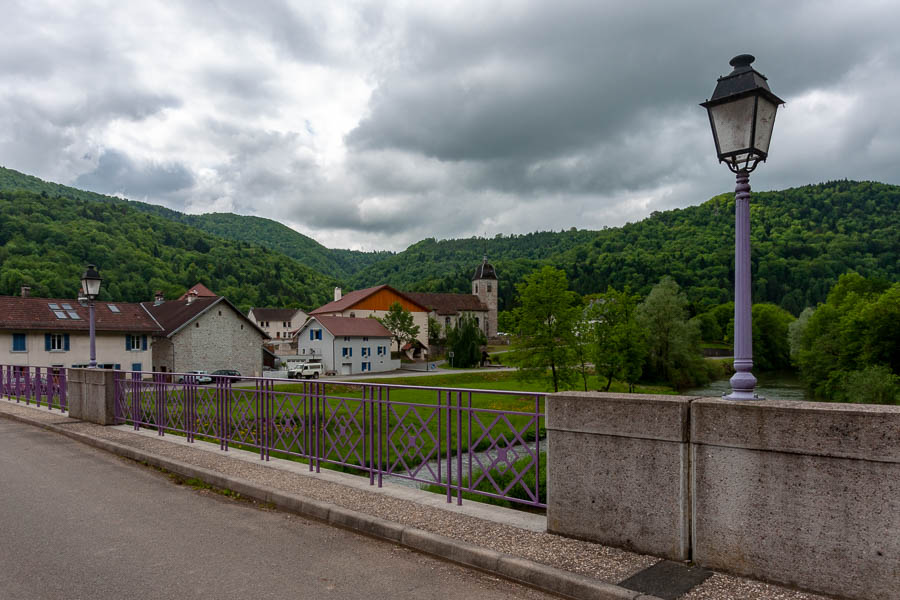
{"x": 159, "y": 298}
{"x": 337, "y": 294}
{"x": 26, "y": 291}
{"x": 192, "y": 295}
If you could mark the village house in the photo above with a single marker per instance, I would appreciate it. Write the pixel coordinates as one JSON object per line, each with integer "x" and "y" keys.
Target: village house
{"x": 347, "y": 345}
{"x": 204, "y": 333}
{"x": 55, "y": 332}
{"x": 280, "y": 325}
{"x": 375, "y": 302}
{"x": 446, "y": 309}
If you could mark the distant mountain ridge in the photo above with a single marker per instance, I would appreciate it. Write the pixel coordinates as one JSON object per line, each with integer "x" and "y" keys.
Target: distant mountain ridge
{"x": 340, "y": 264}
{"x": 803, "y": 239}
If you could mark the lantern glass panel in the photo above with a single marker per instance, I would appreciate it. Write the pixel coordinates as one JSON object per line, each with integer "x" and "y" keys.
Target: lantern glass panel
{"x": 90, "y": 287}
{"x": 765, "y": 122}
{"x": 733, "y": 122}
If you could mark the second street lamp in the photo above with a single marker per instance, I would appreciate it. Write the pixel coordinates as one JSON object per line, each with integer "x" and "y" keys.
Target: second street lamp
{"x": 90, "y": 287}
{"x": 742, "y": 116}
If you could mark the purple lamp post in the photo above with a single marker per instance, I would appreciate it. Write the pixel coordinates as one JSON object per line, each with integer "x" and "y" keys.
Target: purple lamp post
{"x": 90, "y": 287}
{"x": 742, "y": 115}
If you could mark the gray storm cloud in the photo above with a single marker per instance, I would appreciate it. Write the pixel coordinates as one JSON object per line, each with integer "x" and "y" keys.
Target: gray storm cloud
{"x": 376, "y": 124}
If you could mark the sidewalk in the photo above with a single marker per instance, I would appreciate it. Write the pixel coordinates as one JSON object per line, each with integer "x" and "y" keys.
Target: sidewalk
{"x": 507, "y": 543}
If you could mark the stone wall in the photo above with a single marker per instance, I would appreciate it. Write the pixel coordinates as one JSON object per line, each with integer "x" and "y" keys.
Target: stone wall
{"x": 219, "y": 339}
{"x": 802, "y": 493}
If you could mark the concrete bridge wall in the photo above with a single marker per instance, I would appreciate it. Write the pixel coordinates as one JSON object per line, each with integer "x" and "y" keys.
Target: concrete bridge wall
{"x": 802, "y": 493}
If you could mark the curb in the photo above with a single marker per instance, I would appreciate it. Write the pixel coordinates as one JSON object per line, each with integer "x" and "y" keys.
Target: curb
{"x": 520, "y": 570}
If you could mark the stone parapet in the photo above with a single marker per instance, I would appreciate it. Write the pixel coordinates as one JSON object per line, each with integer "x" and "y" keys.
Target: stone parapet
{"x": 802, "y": 493}
{"x": 617, "y": 471}
{"x": 91, "y": 395}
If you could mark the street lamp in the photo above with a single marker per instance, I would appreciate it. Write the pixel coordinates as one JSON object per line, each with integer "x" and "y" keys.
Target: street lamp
{"x": 742, "y": 115}
{"x": 90, "y": 287}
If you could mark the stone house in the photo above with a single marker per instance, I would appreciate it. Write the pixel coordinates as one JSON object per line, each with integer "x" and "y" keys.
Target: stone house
{"x": 347, "y": 345}
{"x": 205, "y": 333}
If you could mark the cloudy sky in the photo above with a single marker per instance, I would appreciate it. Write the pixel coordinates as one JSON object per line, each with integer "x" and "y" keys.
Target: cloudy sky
{"x": 372, "y": 125}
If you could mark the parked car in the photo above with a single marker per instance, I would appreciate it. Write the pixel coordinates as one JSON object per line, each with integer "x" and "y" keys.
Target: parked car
{"x": 305, "y": 370}
{"x": 200, "y": 376}
{"x": 231, "y": 373}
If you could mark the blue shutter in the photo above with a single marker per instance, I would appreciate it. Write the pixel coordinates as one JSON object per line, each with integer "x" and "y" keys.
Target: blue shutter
{"x": 143, "y": 344}
{"x": 318, "y": 334}
{"x": 66, "y": 342}
{"x": 312, "y": 334}
{"x": 47, "y": 342}
{"x": 127, "y": 342}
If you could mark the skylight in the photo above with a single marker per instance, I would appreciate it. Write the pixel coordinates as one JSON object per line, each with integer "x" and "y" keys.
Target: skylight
{"x": 73, "y": 314}
{"x": 53, "y": 306}
{"x": 67, "y": 306}
{"x": 60, "y": 314}
{"x": 113, "y": 308}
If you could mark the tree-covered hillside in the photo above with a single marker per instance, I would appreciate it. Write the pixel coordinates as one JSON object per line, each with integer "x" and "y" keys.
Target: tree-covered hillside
{"x": 45, "y": 242}
{"x": 803, "y": 239}
{"x": 340, "y": 264}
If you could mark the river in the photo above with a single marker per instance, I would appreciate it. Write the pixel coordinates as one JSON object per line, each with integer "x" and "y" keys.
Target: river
{"x": 776, "y": 385}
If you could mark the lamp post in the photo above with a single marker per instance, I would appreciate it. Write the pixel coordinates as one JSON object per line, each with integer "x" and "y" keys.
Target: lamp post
{"x": 90, "y": 287}
{"x": 742, "y": 115}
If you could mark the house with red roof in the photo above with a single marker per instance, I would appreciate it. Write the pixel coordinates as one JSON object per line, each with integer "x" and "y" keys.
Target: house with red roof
{"x": 347, "y": 345}
{"x": 375, "y": 302}
{"x": 55, "y": 332}
{"x": 446, "y": 309}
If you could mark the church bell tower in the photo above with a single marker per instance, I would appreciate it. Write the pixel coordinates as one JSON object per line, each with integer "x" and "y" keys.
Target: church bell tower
{"x": 484, "y": 285}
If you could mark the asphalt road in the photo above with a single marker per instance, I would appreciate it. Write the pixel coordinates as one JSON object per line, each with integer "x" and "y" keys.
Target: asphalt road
{"x": 76, "y": 523}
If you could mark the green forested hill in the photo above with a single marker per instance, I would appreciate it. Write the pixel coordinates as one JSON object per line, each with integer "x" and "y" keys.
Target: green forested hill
{"x": 341, "y": 264}
{"x": 45, "y": 242}
{"x": 803, "y": 239}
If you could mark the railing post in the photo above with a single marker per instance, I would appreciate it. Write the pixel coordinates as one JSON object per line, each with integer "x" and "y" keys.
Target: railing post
{"x": 380, "y": 443}
{"x": 459, "y": 478}
{"x": 449, "y": 447}
{"x": 537, "y": 448}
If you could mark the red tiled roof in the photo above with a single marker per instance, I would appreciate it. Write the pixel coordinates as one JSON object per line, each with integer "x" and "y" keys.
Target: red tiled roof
{"x": 348, "y": 300}
{"x": 274, "y": 314}
{"x": 349, "y": 326}
{"x": 175, "y": 314}
{"x": 202, "y": 292}
{"x": 448, "y": 304}
{"x": 35, "y": 313}
{"x": 352, "y": 298}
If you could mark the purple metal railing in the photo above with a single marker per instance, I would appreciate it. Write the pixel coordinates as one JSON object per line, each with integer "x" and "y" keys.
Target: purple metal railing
{"x": 460, "y": 440}
{"x": 40, "y": 385}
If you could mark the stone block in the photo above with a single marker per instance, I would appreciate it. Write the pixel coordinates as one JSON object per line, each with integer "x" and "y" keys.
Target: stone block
{"x": 91, "y": 395}
{"x": 800, "y": 493}
{"x": 618, "y": 472}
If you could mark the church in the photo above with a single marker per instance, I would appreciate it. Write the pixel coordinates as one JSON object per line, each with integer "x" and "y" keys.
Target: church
{"x": 446, "y": 309}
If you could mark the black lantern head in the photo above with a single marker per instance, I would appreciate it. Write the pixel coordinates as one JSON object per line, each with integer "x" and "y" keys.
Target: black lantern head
{"x": 90, "y": 282}
{"x": 742, "y": 115}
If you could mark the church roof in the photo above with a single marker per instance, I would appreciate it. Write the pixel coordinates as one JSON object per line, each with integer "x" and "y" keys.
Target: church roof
{"x": 448, "y": 304}
{"x": 484, "y": 271}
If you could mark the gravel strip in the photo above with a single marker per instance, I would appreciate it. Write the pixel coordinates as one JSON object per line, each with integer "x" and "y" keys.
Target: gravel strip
{"x": 606, "y": 564}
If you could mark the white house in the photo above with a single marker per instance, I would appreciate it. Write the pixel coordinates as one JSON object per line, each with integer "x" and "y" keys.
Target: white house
{"x": 280, "y": 325}
{"x": 347, "y": 345}
{"x": 54, "y": 332}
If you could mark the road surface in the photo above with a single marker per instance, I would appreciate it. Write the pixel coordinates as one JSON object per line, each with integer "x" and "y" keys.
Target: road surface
{"x": 78, "y": 523}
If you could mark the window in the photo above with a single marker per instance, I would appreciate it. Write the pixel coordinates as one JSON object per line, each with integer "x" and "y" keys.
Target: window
{"x": 73, "y": 314}
{"x": 278, "y": 334}
{"x": 315, "y": 334}
{"x": 19, "y": 342}
{"x": 136, "y": 367}
{"x": 382, "y": 350}
{"x": 135, "y": 342}
{"x": 345, "y": 352}
{"x": 366, "y": 366}
{"x": 53, "y": 305}
{"x": 353, "y": 315}
{"x": 476, "y": 322}
{"x": 113, "y": 308}
{"x": 365, "y": 352}
{"x": 60, "y": 314}
{"x": 489, "y": 288}
{"x": 476, "y": 288}
{"x": 346, "y": 338}
{"x": 56, "y": 342}
{"x": 67, "y": 306}
{"x": 365, "y": 339}
{"x": 289, "y": 324}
